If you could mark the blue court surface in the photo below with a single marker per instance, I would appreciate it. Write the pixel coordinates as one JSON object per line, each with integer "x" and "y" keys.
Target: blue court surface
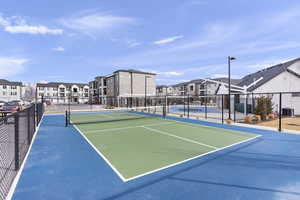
{"x": 62, "y": 164}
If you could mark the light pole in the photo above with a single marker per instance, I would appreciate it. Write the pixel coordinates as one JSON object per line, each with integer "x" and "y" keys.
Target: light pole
{"x": 230, "y": 58}
{"x": 146, "y": 89}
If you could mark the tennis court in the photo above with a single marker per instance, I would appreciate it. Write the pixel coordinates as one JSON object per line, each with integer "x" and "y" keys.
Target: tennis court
{"x": 137, "y": 155}
{"x": 135, "y": 144}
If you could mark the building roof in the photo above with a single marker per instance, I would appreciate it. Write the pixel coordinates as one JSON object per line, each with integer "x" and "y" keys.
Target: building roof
{"x": 267, "y": 74}
{"x": 6, "y": 82}
{"x": 225, "y": 80}
{"x": 134, "y": 71}
{"x": 56, "y": 84}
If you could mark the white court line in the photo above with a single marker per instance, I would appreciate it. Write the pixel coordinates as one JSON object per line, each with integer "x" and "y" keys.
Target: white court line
{"x": 189, "y": 159}
{"x": 189, "y": 124}
{"x": 159, "y": 169}
{"x": 181, "y": 138}
{"x": 126, "y": 127}
{"x": 233, "y": 132}
{"x": 17, "y": 178}
{"x": 102, "y": 156}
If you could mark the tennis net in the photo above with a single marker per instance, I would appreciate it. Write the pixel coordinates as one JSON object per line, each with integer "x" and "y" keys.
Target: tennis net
{"x": 108, "y": 116}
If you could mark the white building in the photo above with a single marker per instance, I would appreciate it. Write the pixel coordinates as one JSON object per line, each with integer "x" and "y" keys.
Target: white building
{"x": 284, "y": 77}
{"x": 59, "y": 92}
{"x": 10, "y": 90}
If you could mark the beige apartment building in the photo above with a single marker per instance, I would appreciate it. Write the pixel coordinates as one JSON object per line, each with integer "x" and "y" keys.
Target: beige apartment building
{"x": 123, "y": 83}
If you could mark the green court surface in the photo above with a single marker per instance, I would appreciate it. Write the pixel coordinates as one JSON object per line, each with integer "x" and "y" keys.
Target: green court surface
{"x": 136, "y": 145}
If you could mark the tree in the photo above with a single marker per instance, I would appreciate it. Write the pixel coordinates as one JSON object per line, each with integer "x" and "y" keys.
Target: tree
{"x": 264, "y": 107}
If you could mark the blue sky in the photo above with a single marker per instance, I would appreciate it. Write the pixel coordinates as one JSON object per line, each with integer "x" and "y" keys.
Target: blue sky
{"x": 179, "y": 40}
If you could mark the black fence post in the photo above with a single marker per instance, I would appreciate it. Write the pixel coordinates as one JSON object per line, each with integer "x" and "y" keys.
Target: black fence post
{"x": 17, "y": 162}
{"x": 183, "y": 105}
{"x": 188, "y": 106}
{"x": 234, "y": 112}
{"x": 222, "y": 109}
{"x": 280, "y": 112}
{"x": 205, "y": 106}
{"x": 28, "y": 126}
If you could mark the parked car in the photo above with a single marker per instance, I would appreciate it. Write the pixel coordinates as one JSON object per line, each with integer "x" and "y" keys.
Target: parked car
{"x": 94, "y": 103}
{"x": 2, "y": 104}
{"x": 48, "y": 103}
{"x": 11, "y": 107}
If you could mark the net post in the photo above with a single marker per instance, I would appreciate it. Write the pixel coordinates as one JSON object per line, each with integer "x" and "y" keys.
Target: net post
{"x": 280, "y": 112}
{"x": 66, "y": 118}
{"x": 17, "y": 162}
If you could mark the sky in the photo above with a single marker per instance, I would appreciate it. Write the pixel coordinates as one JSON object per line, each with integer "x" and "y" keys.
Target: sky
{"x": 180, "y": 40}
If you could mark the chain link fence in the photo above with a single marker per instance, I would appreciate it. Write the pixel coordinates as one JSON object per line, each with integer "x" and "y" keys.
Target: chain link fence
{"x": 16, "y": 134}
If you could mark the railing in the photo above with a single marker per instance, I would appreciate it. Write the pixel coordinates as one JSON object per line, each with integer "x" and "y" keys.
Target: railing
{"x": 16, "y": 134}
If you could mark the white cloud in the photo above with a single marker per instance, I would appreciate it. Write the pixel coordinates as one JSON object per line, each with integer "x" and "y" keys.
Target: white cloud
{"x": 225, "y": 76}
{"x": 163, "y": 73}
{"x": 43, "y": 30}
{"x": 97, "y": 23}
{"x": 134, "y": 44}
{"x": 168, "y": 40}
{"x": 11, "y": 66}
{"x": 59, "y": 49}
{"x": 172, "y": 73}
{"x": 16, "y": 24}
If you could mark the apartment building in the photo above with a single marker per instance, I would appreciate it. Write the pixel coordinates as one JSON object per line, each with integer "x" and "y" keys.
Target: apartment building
{"x": 59, "y": 92}
{"x": 199, "y": 87}
{"x": 10, "y": 90}
{"x": 122, "y": 83}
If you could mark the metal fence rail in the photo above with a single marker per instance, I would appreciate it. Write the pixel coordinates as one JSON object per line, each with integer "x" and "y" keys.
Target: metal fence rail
{"x": 16, "y": 133}
{"x": 278, "y": 110}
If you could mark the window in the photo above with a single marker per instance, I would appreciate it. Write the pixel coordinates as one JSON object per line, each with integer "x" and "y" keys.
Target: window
{"x": 4, "y": 86}
{"x": 13, "y": 93}
{"x": 86, "y": 90}
{"x": 86, "y": 95}
{"x": 54, "y": 89}
{"x": 41, "y": 94}
{"x": 55, "y": 94}
{"x": 296, "y": 94}
{"x": 4, "y": 93}
{"x": 41, "y": 88}
{"x": 75, "y": 89}
{"x": 13, "y": 87}
{"x": 62, "y": 95}
{"x": 191, "y": 87}
{"x": 61, "y": 89}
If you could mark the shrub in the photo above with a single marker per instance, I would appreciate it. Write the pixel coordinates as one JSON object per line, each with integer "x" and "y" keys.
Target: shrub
{"x": 264, "y": 107}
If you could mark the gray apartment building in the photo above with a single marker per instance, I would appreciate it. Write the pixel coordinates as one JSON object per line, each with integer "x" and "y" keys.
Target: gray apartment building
{"x": 122, "y": 83}
{"x": 60, "y": 92}
{"x": 10, "y": 90}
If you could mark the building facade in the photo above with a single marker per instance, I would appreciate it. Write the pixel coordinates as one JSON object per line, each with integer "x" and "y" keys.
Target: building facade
{"x": 284, "y": 77}
{"x": 10, "y": 90}
{"x": 122, "y": 83}
{"x": 60, "y": 93}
